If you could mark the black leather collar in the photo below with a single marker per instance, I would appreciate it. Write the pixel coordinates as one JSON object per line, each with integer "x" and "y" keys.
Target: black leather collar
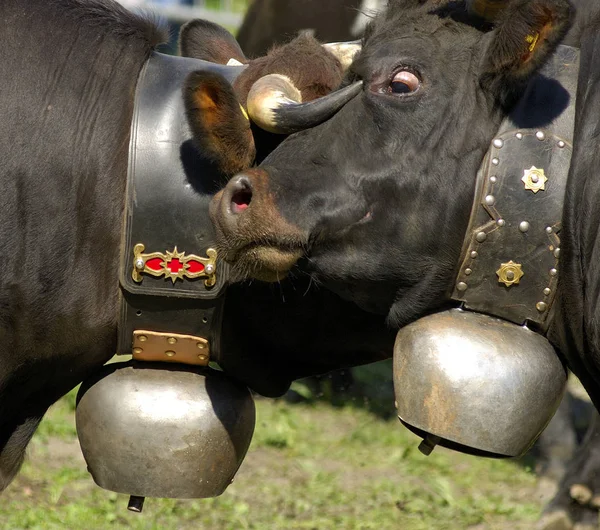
{"x": 170, "y": 280}
{"x": 509, "y": 263}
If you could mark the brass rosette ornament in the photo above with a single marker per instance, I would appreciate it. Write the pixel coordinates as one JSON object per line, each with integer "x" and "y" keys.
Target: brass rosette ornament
{"x": 510, "y": 273}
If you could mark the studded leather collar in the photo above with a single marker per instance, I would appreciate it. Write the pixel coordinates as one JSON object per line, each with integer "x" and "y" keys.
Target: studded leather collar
{"x": 511, "y": 250}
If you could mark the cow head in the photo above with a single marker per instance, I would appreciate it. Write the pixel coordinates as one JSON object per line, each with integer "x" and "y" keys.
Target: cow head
{"x": 261, "y": 327}
{"x": 218, "y": 111}
{"x": 375, "y": 201}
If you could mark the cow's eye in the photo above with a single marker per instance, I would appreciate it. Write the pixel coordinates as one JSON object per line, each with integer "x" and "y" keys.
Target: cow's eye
{"x": 404, "y": 82}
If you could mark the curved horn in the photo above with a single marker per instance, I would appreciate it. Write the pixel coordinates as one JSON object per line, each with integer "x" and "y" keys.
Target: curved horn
{"x": 344, "y": 51}
{"x": 486, "y": 9}
{"x": 275, "y": 105}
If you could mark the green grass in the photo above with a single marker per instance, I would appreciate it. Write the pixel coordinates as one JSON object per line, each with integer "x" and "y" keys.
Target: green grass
{"x": 312, "y": 467}
{"x": 237, "y": 5}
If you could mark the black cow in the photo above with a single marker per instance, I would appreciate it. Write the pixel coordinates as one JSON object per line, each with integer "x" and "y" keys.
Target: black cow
{"x": 373, "y": 204}
{"x": 69, "y": 71}
{"x": 269, "y": 22}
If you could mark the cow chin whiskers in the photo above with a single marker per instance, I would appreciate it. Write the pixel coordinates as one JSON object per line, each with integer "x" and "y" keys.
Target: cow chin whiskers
{"x": 248, "y": 269}
{"x": 262, "y": 259}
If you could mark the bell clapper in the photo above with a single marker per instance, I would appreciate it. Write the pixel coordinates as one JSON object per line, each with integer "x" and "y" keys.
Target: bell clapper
{"x": 136, "y": 504}
{"x": 428, "y": 444}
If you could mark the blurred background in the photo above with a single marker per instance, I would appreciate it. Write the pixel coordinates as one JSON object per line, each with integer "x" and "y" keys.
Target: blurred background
{"x": 228, "y": 13}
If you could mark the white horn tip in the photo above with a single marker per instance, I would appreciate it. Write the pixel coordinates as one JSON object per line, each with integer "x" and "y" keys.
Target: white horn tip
{"x": 267, "y": 95}
{"x": 344, "y": 51}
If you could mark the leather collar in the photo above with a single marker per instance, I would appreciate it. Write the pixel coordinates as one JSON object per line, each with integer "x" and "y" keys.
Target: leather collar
{"x": 509, "y": 262}
{"x": 171, "y": 283}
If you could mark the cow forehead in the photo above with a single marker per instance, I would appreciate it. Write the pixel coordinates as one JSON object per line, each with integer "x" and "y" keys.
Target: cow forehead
{"x": 428, "y": 53}
{"x": 418, "y": 32}
{"x": 399, "y": 47}
{"x": 418, "y": 18}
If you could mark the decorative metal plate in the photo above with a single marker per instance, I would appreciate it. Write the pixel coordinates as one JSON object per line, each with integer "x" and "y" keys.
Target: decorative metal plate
{"x": 510, "y": 265}
{"x": 174, "y": 265}
{"x": 170, "y": 347}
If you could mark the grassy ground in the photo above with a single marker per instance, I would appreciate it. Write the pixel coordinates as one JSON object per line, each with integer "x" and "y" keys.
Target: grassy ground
{"x": 236, "y": 5}
{"x": 312, "y": 467}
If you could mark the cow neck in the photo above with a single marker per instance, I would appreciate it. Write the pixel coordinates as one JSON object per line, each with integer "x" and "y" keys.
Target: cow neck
{"x": 171, "y": 284}
{"x": 509, "y": 262}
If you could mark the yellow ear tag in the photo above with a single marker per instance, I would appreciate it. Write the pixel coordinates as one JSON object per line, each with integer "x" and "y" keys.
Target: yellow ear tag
{"x": 244, "y": 112}
{"x": 532, "y": 40}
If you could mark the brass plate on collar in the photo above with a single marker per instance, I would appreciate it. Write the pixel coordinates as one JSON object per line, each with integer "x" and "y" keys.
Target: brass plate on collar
{"x": 170, "y": 347}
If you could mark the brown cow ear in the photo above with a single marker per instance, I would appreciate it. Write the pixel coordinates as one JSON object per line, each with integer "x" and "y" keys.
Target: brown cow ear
{"x": 201, "y": 39}
{"x": 219, "y": 124}
{"x": 525, "y": 35}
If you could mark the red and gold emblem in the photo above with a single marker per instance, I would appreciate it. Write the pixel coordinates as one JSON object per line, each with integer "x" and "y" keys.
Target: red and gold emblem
{"x": 174, "y": 265}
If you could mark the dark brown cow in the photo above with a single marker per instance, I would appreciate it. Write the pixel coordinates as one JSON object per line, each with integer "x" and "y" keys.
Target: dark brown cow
{"x": 69, "y": 71}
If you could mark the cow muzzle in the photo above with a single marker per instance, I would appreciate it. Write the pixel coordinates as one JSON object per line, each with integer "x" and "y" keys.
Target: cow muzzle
{"x": 251, "y": 233}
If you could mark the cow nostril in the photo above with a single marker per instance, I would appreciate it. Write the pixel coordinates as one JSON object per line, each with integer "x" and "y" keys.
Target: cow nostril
{"x": 241, "y": 197}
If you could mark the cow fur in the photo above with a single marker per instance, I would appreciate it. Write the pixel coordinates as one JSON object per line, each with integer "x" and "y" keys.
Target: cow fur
{"x": 69, "y": 70}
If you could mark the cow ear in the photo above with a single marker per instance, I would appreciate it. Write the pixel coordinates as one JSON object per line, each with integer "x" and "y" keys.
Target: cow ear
{"x": 525, "y": 35}
{"x": 219, "y": 124}
{"x": 201, "y": 39}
